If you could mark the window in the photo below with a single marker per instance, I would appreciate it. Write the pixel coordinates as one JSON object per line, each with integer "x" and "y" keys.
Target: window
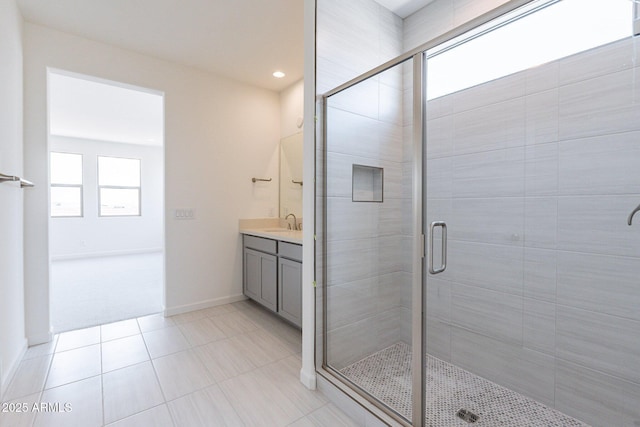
{"x": 66, "y": 184}
{"x": 119, "y": 186}
{"x": 570, "y": 26}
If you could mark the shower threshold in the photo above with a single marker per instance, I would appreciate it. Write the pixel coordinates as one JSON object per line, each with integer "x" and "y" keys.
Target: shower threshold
{"x": 386, "y": 375}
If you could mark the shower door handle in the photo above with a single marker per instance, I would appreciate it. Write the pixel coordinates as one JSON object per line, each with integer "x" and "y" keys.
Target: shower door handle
{"x": 632, "y": 214}
{"x": 443, "y": 265}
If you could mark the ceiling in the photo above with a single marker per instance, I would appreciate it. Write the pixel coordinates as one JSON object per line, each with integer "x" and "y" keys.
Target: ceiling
{"x": 404, "y": 8}
{"x": 246, "y": 40}
{"x": 104, "y": 111}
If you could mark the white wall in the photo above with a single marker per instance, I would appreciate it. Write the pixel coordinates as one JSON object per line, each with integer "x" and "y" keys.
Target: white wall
{"x": 12, "y": 331}
{"x": 93, "y": 235}
{"x": 291, "y": 108}
{"x": 218, "y": 134}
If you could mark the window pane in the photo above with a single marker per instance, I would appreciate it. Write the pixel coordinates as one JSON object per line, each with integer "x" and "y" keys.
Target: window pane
{"x": 119, "y": 201}
{"x": 66, "y": 201}
{"x": 66, "y": 168}
{"x": 118, "y": 172}
{"x": 570, "y": 26}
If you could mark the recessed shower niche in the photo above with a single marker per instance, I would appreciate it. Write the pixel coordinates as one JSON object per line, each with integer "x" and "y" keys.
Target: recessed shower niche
{"x": 367, "y": 184}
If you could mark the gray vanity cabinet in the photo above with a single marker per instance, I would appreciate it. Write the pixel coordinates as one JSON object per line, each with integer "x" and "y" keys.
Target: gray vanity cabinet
{"x": 290, "y": 282}
{"x": 261, "y": 273}
{"x": 272, "y": 275}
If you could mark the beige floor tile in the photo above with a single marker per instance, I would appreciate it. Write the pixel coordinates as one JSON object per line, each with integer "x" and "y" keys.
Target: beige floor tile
{"x": 291, "y": 341}
{"x": 259, "y": 314}
{"x": 123, "y": 352}
{"x": 284, "y": 374}
{"x": 74, "y": 365}
{"x": 125, "y": 328}
{"x": 287, "y": 332}
{"x": 154, "y": 322}
{"x": 130, "y": 390}
{"x": 76, "y": 339}
{"x": 291, "y": 364}
{"x": 329, "y": 415}
{"x": 243, "y": 305}
{"x": 205, "y": 408}
{"x": 200, "y": 332}
{"x": 84, "y": 400}
{"x": 189, "y": 316}
{"x": 224, "y": 359}
{"x": 302, "y": 422}
{"x": 260, "y": 347}
{"x": 259, "y": 402}
{"x": 218, "y": 310}
{"x": 181, "y": 373}
{"x": 41, "y": 349}
{"x": 29, "y": 377}
{"x": 158, "y": 416}
{"x": 165, "y": 341}
{"x": 234, "y": 323}
{"x": 20, "y": 412}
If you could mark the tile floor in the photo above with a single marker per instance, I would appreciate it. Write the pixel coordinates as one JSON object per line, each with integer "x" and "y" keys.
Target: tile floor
{"x": 230, "y": 365}
{"x": 386, "y": 374}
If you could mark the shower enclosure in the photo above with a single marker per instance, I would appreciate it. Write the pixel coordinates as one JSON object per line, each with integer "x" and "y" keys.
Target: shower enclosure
{"x": 476, "y": 261}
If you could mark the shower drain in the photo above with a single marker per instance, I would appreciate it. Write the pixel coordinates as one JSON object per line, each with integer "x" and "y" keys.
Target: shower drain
{"x": 467, "y": 416}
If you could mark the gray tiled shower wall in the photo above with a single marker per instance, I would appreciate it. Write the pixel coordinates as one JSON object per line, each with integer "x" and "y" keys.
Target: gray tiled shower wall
{"x": 535, "y": 174}
{"x": 367, "y": 268}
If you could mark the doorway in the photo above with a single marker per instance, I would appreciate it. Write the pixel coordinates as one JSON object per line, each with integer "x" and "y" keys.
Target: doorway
{"x": 106, "y": 219}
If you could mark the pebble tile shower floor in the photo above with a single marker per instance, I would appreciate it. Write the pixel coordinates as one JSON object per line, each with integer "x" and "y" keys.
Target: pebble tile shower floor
{"x": 387, "y": 376}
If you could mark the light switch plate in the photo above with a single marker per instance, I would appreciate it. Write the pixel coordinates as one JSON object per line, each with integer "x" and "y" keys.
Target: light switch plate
{"x": 185, "y": 213}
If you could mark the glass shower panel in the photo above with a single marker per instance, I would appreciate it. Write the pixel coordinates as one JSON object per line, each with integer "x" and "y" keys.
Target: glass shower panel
{"x": 535, "y": 170}
{"x": 368, "y": 241}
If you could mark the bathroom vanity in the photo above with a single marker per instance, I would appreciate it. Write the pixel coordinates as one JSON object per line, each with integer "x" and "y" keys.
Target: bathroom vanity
{"x": 272, "y": 270}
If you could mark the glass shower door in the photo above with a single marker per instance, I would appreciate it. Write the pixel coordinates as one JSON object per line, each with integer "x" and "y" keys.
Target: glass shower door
{"x": 532, "y": 167}
{"x": 368, "y": 241}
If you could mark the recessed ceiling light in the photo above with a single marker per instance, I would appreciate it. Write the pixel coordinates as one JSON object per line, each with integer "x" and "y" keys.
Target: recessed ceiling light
{"x": 278, "y": 74}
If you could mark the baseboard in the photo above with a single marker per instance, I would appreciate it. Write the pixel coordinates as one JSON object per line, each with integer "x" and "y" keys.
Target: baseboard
{"x": 106, "y": 254}
{"x": 11, "y": 371}
{"x": 309, "y": 381}
{"x": 39, "y": 338}
{"x": 172, "y": 311}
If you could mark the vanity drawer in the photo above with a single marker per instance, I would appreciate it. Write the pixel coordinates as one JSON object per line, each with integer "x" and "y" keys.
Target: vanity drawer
{"x": 260, "y": 244}
{"x": 290, "y": 250}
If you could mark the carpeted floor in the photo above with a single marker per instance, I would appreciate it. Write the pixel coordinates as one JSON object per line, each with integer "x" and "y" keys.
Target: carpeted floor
{"x": 387, "y": 376}
{"x": 94, "y": 291}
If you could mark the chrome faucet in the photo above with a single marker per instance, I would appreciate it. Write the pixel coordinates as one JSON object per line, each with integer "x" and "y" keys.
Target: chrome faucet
{"x": 295, "y": 221}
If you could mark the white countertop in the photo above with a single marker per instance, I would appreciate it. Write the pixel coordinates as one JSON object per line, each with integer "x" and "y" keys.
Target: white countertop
{"x": 282, "y": 234}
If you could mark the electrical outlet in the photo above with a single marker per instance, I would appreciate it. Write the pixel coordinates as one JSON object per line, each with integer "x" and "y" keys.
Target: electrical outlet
{"x": 185, "y": 213}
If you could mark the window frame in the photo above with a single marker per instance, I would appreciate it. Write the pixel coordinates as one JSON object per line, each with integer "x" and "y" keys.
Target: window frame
{"x": 79, "y": 186}
{"x": 119, "y": 187}
{"x": 546, "y": 6}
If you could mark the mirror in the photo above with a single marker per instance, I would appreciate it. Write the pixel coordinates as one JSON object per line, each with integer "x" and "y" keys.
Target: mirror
{"x": 291, "y": 175}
